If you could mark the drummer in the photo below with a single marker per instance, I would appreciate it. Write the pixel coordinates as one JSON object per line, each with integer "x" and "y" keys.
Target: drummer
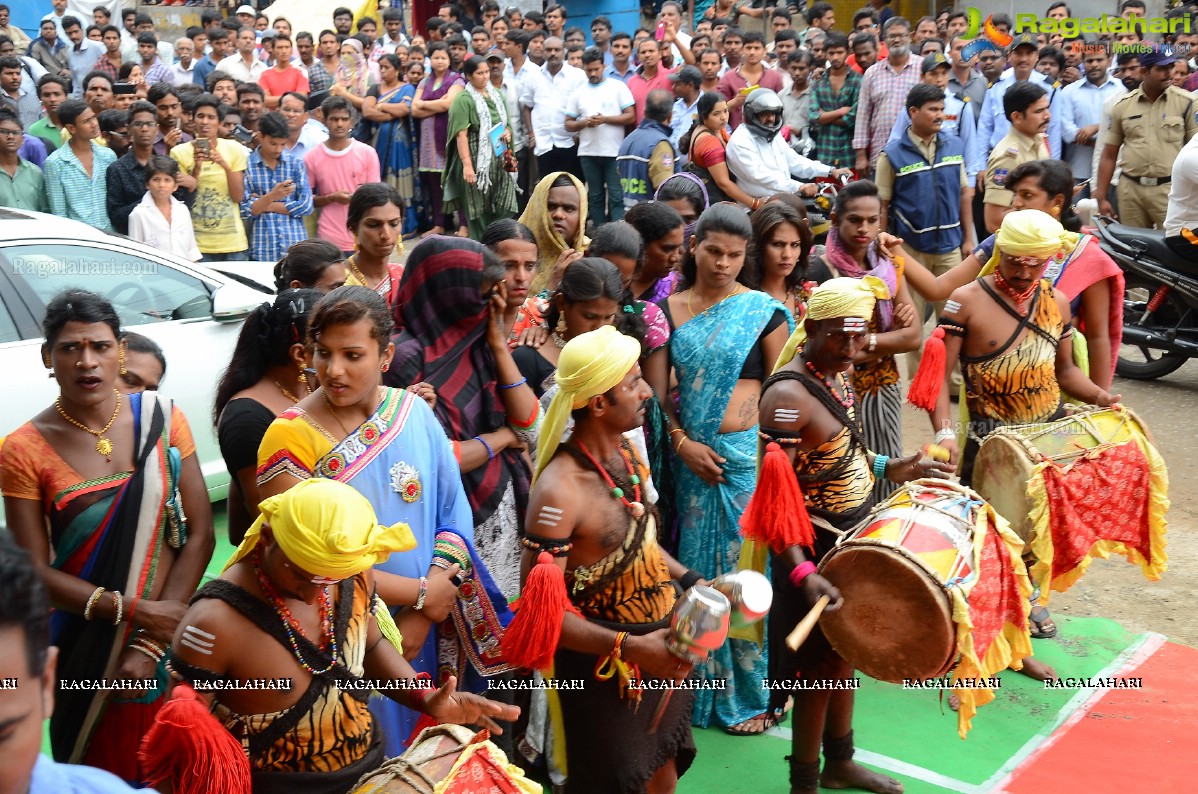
{"x": 588, "y": 512}
{"x": 1009, "y": 329}
{"x": 297, "y": 602}
{"x": 808, "y": 408}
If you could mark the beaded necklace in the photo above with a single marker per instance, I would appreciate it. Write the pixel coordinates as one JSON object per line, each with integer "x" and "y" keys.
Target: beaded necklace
{"x": 635, "y": 507}
{"x": 849, "y": 399}
{"x": 328, "y": 639}
{"x": 1020, "y": 298}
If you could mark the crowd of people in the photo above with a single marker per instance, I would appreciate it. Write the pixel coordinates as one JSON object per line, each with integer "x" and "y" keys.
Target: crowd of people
{"x": 611, "y": 301}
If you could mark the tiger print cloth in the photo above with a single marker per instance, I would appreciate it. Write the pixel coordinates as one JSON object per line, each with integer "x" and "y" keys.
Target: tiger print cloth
{"x": 1017, "y": 384}
{"x": 631, "y": 585}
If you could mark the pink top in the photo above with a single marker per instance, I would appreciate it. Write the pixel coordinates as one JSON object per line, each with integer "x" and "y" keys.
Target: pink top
{"x": 640, "y": 88}
{"x": 332, "y": 172}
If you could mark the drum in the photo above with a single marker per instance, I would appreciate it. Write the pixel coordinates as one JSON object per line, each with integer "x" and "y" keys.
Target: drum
{"x": 426, "y": 763}
{"x": 894, "y": 571}
{"x": 1007, "y": 456}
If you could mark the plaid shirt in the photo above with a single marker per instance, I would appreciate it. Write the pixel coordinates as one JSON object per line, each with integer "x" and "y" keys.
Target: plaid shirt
{"x": 274, "y": 232}
{"x": 75, "y": 195}
{"x": 883, "y": 94}
{"x": 158, "y": 72}
{"x": 833, "y": 142}
{"x": 319, "y": 78}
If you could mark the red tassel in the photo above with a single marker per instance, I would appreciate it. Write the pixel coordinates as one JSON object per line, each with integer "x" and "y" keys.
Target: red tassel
{"x": 530, "y": 640}
{"x": 929, "y": 378}
{"x": 777, "y": 513}
{"x": 188, "y": 751}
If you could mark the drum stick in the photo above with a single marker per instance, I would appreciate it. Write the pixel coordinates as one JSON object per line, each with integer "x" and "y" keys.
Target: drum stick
{"x": 799, "y": 635}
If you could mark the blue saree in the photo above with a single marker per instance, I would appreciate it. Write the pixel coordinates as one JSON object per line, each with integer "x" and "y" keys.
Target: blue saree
{"x": 708, "y": 353}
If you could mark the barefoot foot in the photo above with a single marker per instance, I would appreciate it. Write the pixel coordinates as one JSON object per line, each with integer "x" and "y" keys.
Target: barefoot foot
{"x": 848, "y": 774}
{"x": 954, "y": 701}
{"x": 1034, "y": 668}
{"x": 433, "y": 232}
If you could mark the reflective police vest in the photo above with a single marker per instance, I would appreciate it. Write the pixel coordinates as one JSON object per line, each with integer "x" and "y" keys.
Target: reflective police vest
{"x": 925, "y": 206}
{"x": 633, "y": 160}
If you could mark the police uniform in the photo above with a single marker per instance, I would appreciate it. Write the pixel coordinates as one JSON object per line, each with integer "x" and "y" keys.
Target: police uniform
{"x": 1013, "y": 150}
{"x": 1151, "y": 134}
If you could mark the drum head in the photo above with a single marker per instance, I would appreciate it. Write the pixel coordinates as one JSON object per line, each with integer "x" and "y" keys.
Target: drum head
{"x": 896, "y": 622}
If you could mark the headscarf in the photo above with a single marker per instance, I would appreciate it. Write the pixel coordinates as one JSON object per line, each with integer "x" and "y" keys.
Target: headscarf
{"x": 590, "y": 364}
{"x": 837, "y": 297}
{"x": 443, "y": 313}
{"x": 327, "y": 528}
{"x": 1030, "y": 233}
{"x": 549, "y": 243}
{"x": 877, "y": 265}
{"x": 354, "y": 72}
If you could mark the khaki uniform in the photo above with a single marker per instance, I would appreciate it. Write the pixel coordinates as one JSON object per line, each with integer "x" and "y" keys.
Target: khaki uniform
{"x": 1013, "y": 150}
{"x": 1151, "y": 134}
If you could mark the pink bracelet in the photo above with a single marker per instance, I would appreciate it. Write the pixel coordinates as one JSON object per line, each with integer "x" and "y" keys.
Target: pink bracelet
{"x": 801, "y": 572}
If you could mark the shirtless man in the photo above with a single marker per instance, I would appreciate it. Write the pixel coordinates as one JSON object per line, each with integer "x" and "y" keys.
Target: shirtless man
{"x": 807, "y": 407}
{"x": 624, "y": 602}
{"x": 309, "y": 558}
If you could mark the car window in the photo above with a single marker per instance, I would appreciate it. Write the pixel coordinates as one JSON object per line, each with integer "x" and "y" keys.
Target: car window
{"x": 8, "y": 327}
{"x": 141, "y": 290}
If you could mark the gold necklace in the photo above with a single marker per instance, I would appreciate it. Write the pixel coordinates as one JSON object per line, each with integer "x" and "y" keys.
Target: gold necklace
{"x": 734, "y": 291}
{"x": 362, "y": 276}
{"x": 333, "y": 410}
{"x": 286, "y": 393}
{"x": 103, "y": 445}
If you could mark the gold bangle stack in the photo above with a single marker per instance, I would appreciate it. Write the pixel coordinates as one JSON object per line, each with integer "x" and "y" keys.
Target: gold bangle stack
{"x": 142, "y": 643}
{"x": 91, "y": 602}
{"x": 118, "y": 602}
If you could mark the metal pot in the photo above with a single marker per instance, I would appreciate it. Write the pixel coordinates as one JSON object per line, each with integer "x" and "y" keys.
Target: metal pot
{"x": 750, "y": 594}
{"x": 699, "y": 624}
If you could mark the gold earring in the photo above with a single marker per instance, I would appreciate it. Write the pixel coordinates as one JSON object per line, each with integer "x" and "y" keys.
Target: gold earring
{"x": 303, "y": 379}
{"x": 1056, "y": 211}
{"x": 561, "y": 325}
{"x": 121, "y": 360}
{"x": 46, "y": 361}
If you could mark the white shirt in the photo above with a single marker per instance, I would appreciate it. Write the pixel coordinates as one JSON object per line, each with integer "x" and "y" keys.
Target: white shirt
{"x": 1183, "y": 191}
{"x": 1107, "y": 107}
{"x": 1081, "y": 105}
{"x": 511, "y": 98}
{"x": 609, "y": 98}
{"x": 517, "y": 81}
{"x": 312, "y": 135}
{"x": 29, "y": 83}
{"x": 166, "y": 50}
{"x": 183, "y": 76}
{"x": 546, "y": 96}
{"x": 148, "y": 225}
{"x": 235, "y": 67}
{"x": 763, "y": 169}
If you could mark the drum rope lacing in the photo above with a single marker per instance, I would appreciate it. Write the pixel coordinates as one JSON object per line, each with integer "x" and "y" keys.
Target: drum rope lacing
{"x": 1083, "y": 418}
{"x": 400, "y": 767}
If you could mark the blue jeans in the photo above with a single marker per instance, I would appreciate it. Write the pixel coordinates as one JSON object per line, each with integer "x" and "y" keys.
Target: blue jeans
{"x": 598, "y": 172}
{"x": 236, "y": 256}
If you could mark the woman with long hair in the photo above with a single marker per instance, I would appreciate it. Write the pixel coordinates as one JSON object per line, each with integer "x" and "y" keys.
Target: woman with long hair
{"x": 266, "y": 376}
{"x": 705, "y": 145}
{"x": 389, "y": 105}
{"x": 557, "y": 214}
{"x": 516, "y": 247}
{"x": 375, "y": 219}
{"x": 853, "y": 250}
{"x": 1088, "y": 277}
{"x": 388, "y": 445}
{"x": 661, "y": 229}
{"x": 354, "y": 78}
{"x": 777, "y": 257}
{"x": 434, "y": 96}
{"x": 311, "y": 264}
{"x": 452, "y": 301}
{"x": 105, "y": 491}
{"x": 475, "y": 180}
{"x": 724, "y": 341}
{"x": 132, "y": 73}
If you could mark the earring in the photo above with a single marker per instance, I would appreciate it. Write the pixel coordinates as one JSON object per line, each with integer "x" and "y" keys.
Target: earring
{"x": 121, "y": 360}
{"x": 1056, "y": 211}
{"x": 46, "y": 361}
{"x": 303, "y": 379}
{"x": 561, "y": 325}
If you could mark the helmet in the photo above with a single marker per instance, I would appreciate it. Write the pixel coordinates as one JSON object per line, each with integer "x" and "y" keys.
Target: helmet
{"x": 763, "y": 100}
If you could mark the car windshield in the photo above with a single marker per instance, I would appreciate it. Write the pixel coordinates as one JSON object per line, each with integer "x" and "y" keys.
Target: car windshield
{"x": 142, "y": 290}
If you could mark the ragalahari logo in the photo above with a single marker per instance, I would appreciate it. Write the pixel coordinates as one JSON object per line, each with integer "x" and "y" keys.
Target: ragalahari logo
{"x": 991, "y": 39}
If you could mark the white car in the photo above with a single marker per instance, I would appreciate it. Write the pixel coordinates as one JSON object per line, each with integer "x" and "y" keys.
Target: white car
{"x": 192, "y": 311}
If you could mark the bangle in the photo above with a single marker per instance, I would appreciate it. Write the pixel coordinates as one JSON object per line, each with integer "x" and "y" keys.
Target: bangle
{"x": 490, "y": 452}
{"x": 681, "y": 441}
{"x": 944, "y": 433}
{"x": 119, "y": 602}
{"x": 520, "y": 382}
{"x": 91, "y": 602}
{"x": 141, "y": 649}
{"x": 423, "y": 592}
{"x": 422, "y": 689}
{"x": 689, "y": 579}
{"x": 880, "y": 462}
{"x": 873, "y": 343}
{"x": 677, "y": 430}
{"x": 801, "y": 572}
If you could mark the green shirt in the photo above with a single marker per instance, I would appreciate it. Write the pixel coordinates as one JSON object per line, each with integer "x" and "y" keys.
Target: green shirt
{"x": 24, "y": 191}
{"x": 44, "y": 128}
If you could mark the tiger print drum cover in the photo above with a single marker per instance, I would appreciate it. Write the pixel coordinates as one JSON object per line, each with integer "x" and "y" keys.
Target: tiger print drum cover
{"x": 907, "y": 574}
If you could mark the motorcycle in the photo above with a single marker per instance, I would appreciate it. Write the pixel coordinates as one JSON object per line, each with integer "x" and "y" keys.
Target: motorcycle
{"x": 1160, "y": 301}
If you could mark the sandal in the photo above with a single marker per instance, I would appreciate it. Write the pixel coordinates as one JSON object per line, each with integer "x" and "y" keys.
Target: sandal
{"x": 764, "y": 721}
{"x": 1042, "y": 626}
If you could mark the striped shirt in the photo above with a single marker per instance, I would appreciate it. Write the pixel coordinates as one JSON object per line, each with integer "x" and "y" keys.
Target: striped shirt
{"x": 834, "y": 142}
{"x": 274, "y": 232}
{"x": 75, "y": 195}
{"x": 883, "y": 95}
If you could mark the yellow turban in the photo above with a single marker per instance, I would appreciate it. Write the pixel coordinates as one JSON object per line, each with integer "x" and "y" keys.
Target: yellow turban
{"x": 1030, "y": 233}
{"x": 326, "y": 528}
{"x": 590, "y": 364}
{"x": 837, "y": 297}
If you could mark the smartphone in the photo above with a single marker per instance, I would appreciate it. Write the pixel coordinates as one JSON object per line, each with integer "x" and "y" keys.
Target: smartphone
{"x": 123, "y": 89}
{"x": 202, "y": 145}
{"x": 660, "y": 33}
{"x": 242, "y": 135}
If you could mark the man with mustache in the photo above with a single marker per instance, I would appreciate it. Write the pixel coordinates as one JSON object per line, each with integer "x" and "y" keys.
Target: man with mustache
{"x": 1026, "y": 107}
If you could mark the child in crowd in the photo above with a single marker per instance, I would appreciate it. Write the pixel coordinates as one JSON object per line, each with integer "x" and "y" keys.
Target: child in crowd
{"x": 161, "y": 220}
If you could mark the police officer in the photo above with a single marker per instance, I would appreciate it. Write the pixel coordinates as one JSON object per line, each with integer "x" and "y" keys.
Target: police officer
{"x": 1026, "y": 108}
{"x": 647, "y": 158}
{"x": 1152, "y": 123}
{"x": 992, "y": 122}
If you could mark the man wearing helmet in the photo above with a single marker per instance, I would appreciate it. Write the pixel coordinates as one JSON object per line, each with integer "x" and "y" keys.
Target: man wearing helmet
{"x": 760, "y": 159}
